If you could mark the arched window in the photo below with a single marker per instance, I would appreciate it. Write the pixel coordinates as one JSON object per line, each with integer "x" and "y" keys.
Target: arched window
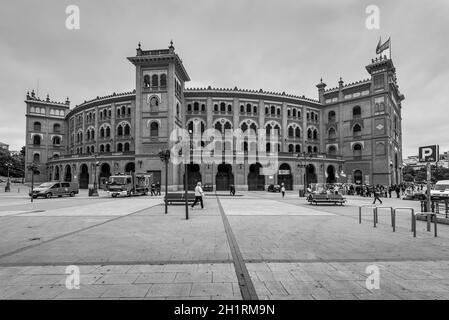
{"x": 163, "y": 80}
{"x": 298, "y": 148}
{"x": 222, "y": 107}
{"x": 357, "y": 149}
{"x": 36, "y": 158}
{"x": 219, "y": 127}
{"x": 357, "y": 130}
{"x": 120, "y": 131}
{"x": 123, "y": 111}
{"x": 331, "y": 117}
{"x": 248, "y": 108}
{"x": 315, "y": 149}
{"x": 294, "y": 112}
{"x": 154, "y": 102}
{"x": 268, "y": 147}
{"x": 108, "y": 132}
{"x": 309, "y": 149}
{"x": 309, "y": 134}
{"x": 129, "y": 111}
{"x": 268, "y": 129}
{"x": 215, "y": 107}
{"x": 289, "y": 113}
{"x": 102, "y": 133}
{"x": 229, "y": 108}
{"x": 118, "y": 112}
{"x": 356, "y": 112}
{"x": 154, "y": 129}
{"x": 146, "y": 80}
{"x": 108, "y": 148}
{"x": 102, "y": 148}
{"x": 290, "y": 148}
{"x": 273, "y": 110}
{"x": 37, "y": 126}
{"x": 57, "y": 128}
{"x": 120, "y": 147}
{"x": 315, "y": 134}
{"x": 88, "y": 135}
{"x": 37, "y": 140}
{"x": 242, "y": 108}
{"x": 253, "y": 127}
{"x": 203, "y": 107}
{"x": 332, "y": 134}
{"x": 279, "y": 111}
{"x": 244, "y": 127}
{"x": 332, "y": 151}
{"x": 126, "y": 146}
{"x": 267, "y": 110}
{"x": 56, "y": 141}
{"x": 189, "y": 108}
{"x": 127, "y": 130}
{"x": 298, "y": 132}
{"x": 291, "y": 132}
{"x": 154, "y": 81}
{"x": 196, "y": 106}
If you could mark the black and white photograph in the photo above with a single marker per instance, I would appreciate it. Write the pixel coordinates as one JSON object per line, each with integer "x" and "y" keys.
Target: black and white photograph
{"x": 241, "y": 152}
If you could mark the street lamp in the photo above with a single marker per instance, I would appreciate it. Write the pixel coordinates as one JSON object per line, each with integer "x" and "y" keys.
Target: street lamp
{"x": 94, "y": 192}
{"x": 165, "y": 157}
{"x": 301, "y": 158}
{"x": 8, "y": 182}
{"x": 186, "y": 158}
{"x": 33, "y": 167}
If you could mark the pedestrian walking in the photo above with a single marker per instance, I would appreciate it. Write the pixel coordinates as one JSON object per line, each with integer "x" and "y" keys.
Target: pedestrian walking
{"x": 232, "y": 190}
{"x": 198, "y": 195}
{"x": 283, "y": 190}
{"x": 153, "y": 189}
{"x": 376, "y": 196}
{"x": 158, "y": 188}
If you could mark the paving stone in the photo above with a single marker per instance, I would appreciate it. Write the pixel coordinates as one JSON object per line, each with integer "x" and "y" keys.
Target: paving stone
{"x": 126, "y": 291}
{"x": 169, "y": 290}
{"x": 117, "y": 279}
{"x": 84, "y": 292}
{"x": 193, "y": 277}
{"x": 211, "y": 289}
{"x": 36, "y": 293}
{"x": 156, "y": 277}
{"x": 224, "y": 276}
{"x": 146, "y": 268}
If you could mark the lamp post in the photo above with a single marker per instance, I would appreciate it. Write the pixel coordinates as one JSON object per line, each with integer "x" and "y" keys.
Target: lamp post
{"x": 8, "y": 182}
{"x": 165, "y": 157}
{"x": 186, "y": 161}
{"x": 94, "y": 192}
{"x": 301, "y": 158}
{"x": 33, "y": 167}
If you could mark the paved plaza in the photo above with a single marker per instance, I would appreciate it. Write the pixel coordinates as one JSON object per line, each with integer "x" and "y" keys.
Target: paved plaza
{"x": 253, "y": 246}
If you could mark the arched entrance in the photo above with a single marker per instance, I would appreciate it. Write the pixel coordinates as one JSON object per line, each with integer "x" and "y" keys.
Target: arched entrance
{"x": 311, "y": 177}
{"x": 224, "y": 177}
{"x": 68, "y": 174}
{"x": 105, "y": 173}
{"x": 130, "y": 167}
{"x": 84, "y": 177}
{"x": 331, "y": 175}
{"x": 57, "y": 173}
{"x": 194, "y": 176}
{"x": 256, "y": 181}
{"x": 285, "y": 176}
{"x": 358, "y": 177}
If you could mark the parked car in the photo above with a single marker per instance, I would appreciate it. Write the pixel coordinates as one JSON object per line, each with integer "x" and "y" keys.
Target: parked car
{"x": 207, "y": 187}
{"x": 58, "y": 189}
{"x": 441, "y": 189}
{"x": 274, "y": 188}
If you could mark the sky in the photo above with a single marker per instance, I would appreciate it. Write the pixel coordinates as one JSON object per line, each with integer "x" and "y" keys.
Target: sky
{"x": 282, "y": 45}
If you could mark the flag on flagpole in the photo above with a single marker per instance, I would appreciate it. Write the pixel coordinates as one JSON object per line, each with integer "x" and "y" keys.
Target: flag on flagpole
{"x": 382, "y": 47}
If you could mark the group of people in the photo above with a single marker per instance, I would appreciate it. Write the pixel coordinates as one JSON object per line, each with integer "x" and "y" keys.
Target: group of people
{"x": 156, "y": 189}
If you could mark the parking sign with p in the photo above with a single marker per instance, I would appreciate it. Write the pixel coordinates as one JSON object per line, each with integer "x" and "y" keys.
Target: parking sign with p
{"x": 429, "y": 154}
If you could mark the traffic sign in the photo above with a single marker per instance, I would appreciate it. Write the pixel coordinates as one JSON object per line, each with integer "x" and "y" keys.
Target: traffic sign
{"x": 429, "y": 154}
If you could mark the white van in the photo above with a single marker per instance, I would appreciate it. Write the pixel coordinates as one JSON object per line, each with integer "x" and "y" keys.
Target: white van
{"x": 441, "y": 189}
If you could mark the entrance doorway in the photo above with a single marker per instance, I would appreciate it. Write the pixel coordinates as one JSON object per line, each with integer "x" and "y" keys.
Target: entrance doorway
{"x": 311, "y": 177}
{"x": 194, "y": 176}
{"x": 331, "y": 175}
{"x": 130, "y": 167}
{"x": 84, "y": 177}
{"x": 256, "y": 181}
{"x": 105, "y": 173}
{"x": 224, "y": 177}
{"x": 358, "y": 177}
{"x": 68, "y": 174}
{"x": 285, "y": 176}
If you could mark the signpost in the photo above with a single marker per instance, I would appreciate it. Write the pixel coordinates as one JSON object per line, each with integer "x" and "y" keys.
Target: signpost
{"x": 428, "y": 155}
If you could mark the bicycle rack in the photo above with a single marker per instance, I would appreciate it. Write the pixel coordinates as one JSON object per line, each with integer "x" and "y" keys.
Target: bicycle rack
{"x": 360, "y": 211}
{"x": 429, "y": 216}
{"x": 412, "y": 211}
{"x": 376, "y": 216}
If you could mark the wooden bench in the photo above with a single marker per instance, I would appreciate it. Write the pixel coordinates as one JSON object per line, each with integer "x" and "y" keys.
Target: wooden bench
{"x": 324, "y": 198}
{"x": 172, "y": 198}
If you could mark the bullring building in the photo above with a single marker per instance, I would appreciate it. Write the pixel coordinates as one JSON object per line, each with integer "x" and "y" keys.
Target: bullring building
{"x": 351, "y": 133}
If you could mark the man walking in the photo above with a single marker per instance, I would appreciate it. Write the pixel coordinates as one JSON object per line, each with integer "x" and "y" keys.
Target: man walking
{"x": 198, "y": 195}
{"x": 376, "y": 196}
{"x": 283, "y": 190}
